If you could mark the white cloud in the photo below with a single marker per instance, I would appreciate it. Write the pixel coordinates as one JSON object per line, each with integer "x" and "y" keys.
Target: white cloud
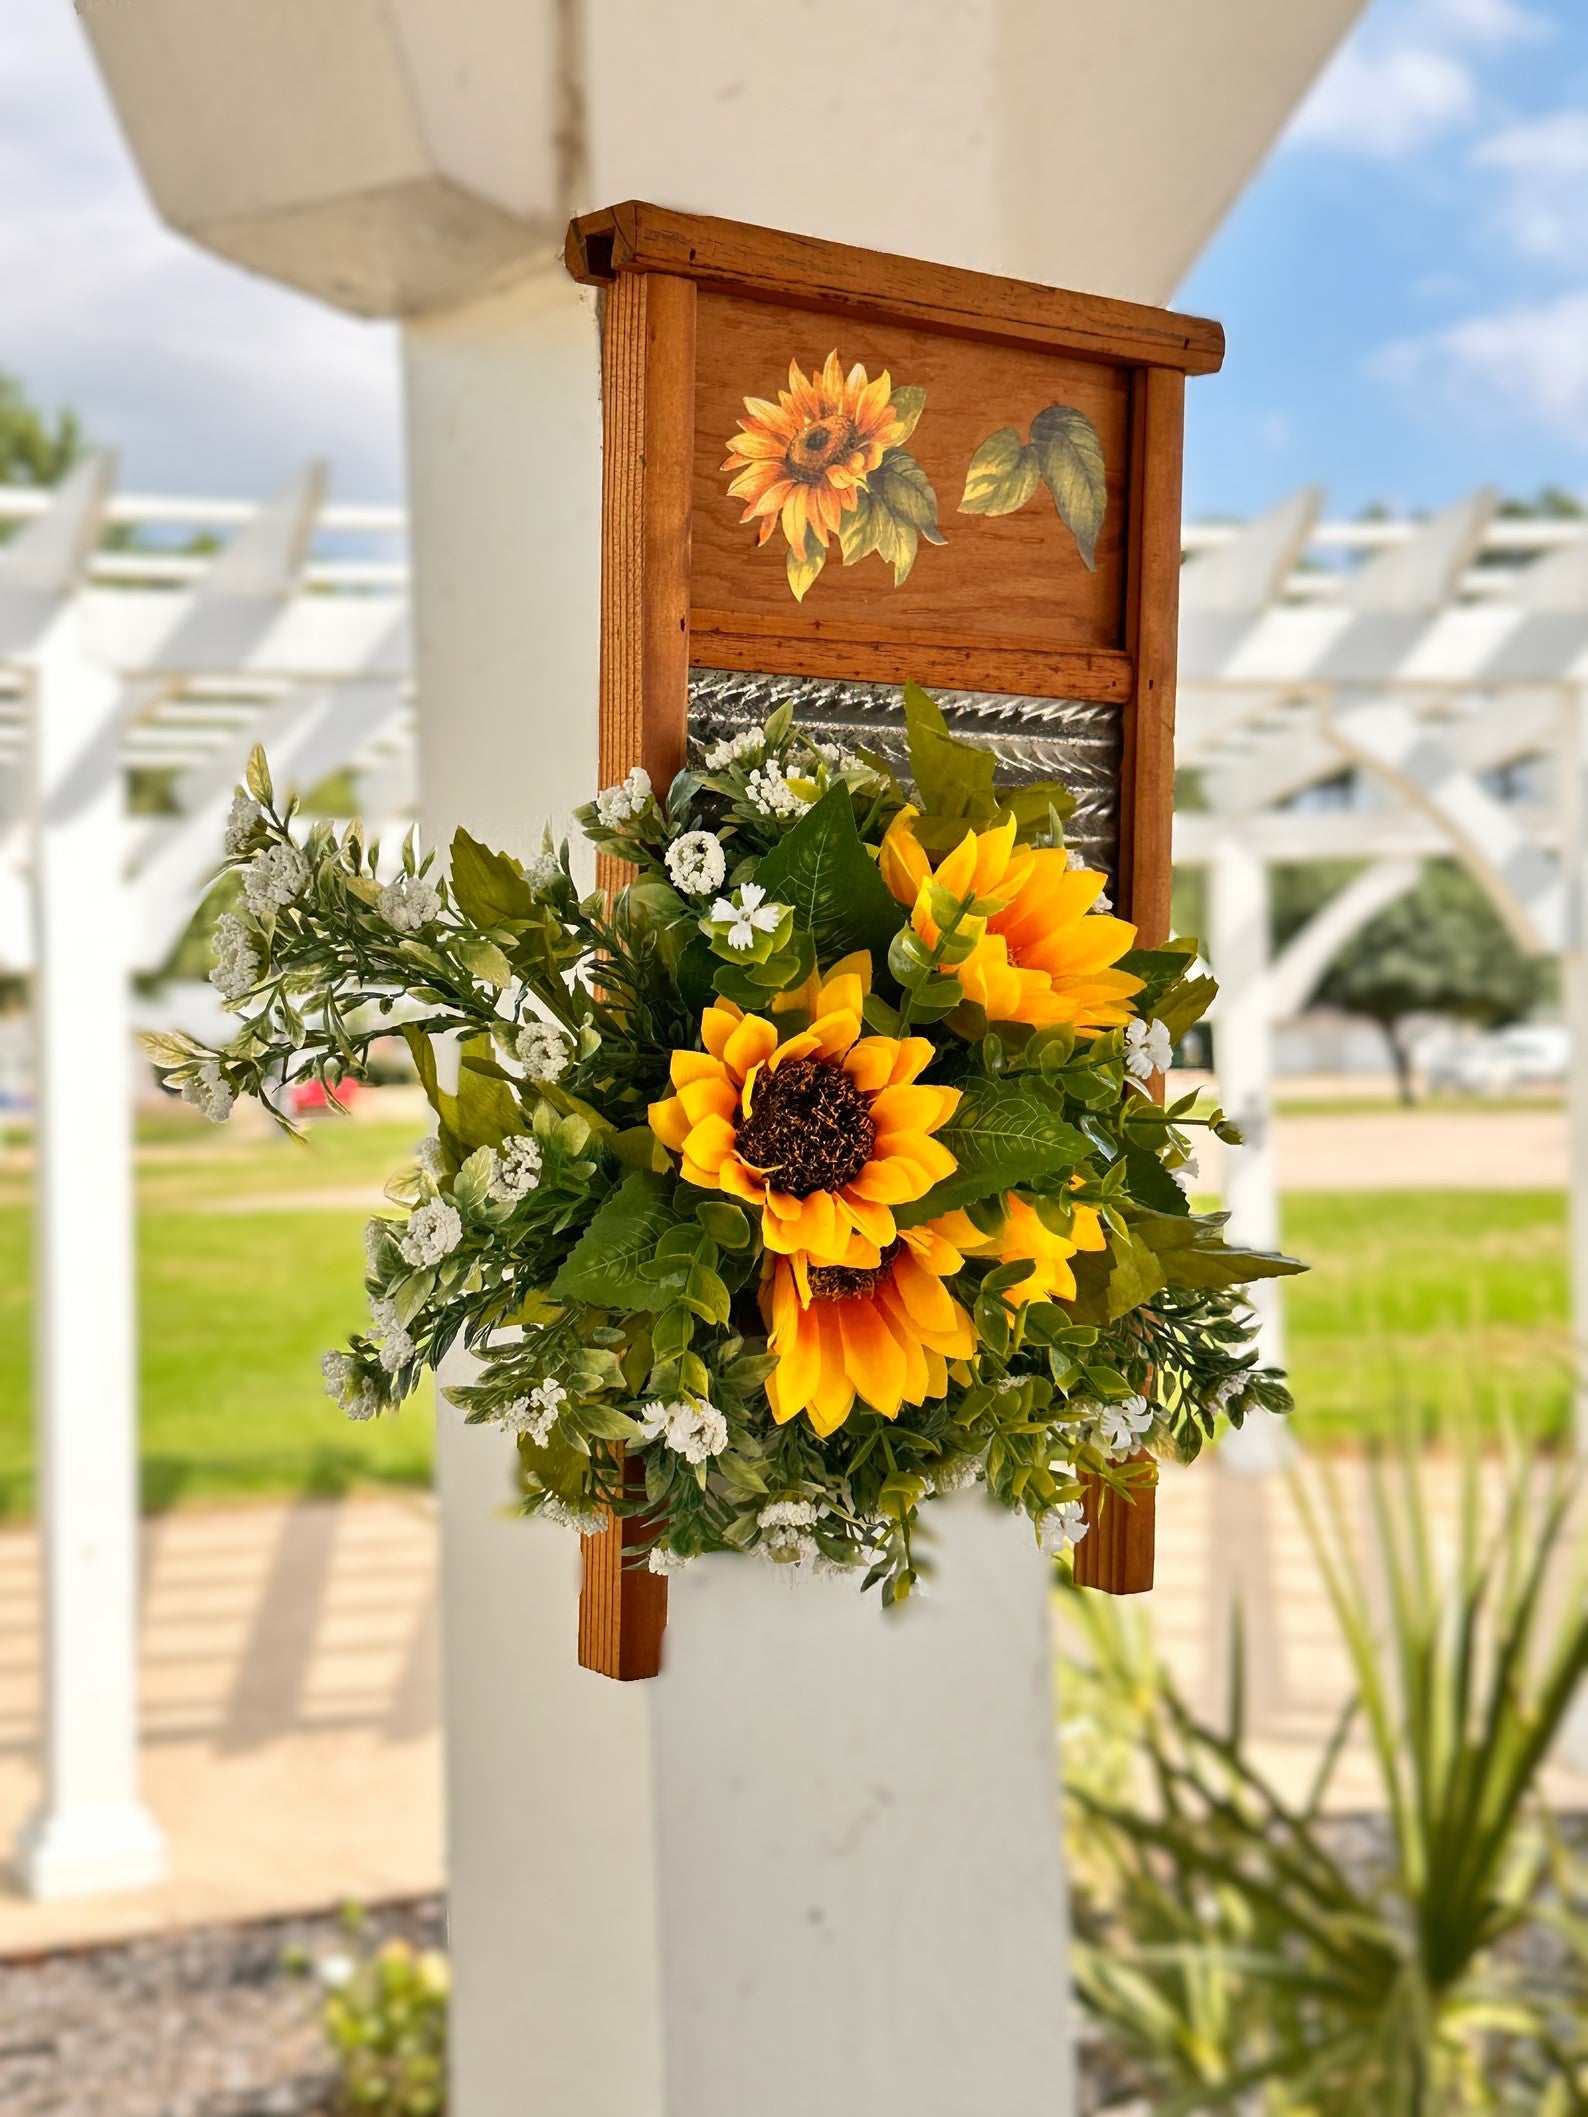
{"x": 200, "y": 375}
{"x": 1543, "y": 167}
{"x": 1407, "y": 77}
{"x": 1519, "y": 366}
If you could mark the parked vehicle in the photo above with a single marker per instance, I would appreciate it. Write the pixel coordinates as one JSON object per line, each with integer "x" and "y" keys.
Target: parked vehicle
{"x": 1502, "y": 1061}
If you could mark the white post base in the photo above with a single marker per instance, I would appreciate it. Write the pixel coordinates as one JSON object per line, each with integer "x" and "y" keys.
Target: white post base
{"x": 96, "y": 1850}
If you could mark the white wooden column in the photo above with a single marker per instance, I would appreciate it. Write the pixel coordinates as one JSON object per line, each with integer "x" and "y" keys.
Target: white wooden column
{"x": 92, "y": 1833}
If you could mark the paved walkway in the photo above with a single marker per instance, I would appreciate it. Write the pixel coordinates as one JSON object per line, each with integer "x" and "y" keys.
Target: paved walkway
{"x": 291, "y": 1738}
{"x": 289, "y": 1669}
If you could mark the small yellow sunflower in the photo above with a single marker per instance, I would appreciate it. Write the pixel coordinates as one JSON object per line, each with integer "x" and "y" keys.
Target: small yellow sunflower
{"x": 1025, "y": 1235}
{"x": 883, "y": 1333}
{"x": 1044, "y": 956}
{"x": 804, "y": 460}
{"x": 823, "y": 1132}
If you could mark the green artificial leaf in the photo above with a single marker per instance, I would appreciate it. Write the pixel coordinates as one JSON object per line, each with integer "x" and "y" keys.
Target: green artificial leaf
{"x": 603, "y": 1268}
{"x": 1004, "y": 1133}
{"x": 485, "y": 1110}
{"x": 639, "y": 1148}
{"x": 485, "y": 961}
{"x": 488, "y": 888}
{"x": 1003, "y": 475}
{"x": 1069, "y": 452}
{"x": 953, "y": 778}
{"x": 1192, "y": 1251}
{"x": 907, "y": 404}
{"x": 257, "y": 776}
{"x": 803, "y": 567}
{"x": 835, "y": 887}
{"x": 1150, "y": 1183}
{"x": 1184, "y": 1004}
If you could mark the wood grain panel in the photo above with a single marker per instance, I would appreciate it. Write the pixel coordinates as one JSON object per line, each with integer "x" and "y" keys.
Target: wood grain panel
{"x": 723, "y": 639}
{"x": 648, "y": 357}
{"x": 843, "y": 281}
{"x": 1116, "y": 1554}
{"x": 1006, "y": 581}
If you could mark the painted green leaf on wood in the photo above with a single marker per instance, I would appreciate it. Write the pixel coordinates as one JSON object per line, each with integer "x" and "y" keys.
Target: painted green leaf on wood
{"x": 1064, "y": 453}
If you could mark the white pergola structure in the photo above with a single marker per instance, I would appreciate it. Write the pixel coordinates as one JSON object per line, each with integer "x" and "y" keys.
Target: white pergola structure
{"x": 1408, "y": 683}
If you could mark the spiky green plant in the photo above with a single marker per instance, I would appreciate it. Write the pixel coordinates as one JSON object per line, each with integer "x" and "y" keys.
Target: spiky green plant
{"x": 1225, "y": 1941}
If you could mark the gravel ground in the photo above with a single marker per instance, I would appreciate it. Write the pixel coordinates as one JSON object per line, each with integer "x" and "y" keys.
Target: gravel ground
{"x": 218, "y": 2022}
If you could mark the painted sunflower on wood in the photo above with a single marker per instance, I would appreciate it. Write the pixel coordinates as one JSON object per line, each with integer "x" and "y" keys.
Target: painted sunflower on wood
{"x": 844, "y": 1183}
{"x": 826, "y": 461}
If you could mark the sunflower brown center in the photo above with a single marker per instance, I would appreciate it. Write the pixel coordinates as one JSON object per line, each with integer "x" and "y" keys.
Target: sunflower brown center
{"x": 813, "y": 452}
{"x": 844, "y": 1282}
{"x": 810, "y": 1125}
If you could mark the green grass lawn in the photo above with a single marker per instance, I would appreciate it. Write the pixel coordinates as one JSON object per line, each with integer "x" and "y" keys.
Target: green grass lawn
{"x": 1433, "y": 1306}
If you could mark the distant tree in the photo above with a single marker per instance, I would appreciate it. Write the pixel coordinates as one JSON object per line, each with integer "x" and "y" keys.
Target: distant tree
{"x": 32, "y": 451}
{"x": 1441, "y": 949}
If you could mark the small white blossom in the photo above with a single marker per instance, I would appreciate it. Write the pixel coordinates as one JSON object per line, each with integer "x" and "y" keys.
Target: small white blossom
{"x": 236, "y": 959}
{"x": 835, "y": 754}
{"x": 771, "y": 793}
{"x": 697, "y": 863}
{"x": 1062, "y": 1528}
{"x": 694, "y": 1431}
{"x": 1102, "y": 901}
{"x": 1074, "y": 860}
{"x": 408, "y": 903}
{"x": 748, "y": 917}
{"x": 1228, "y": 1390}
{"x": 344, "y": 1382}
{"x": 243, "y": 819}
{"x": 585, "y": 1521}
{"x": 375, "y": 1234}
{"x": 517, "y": 1169}
{"x": 275, "y": 877}
{"x": 427, "y": 1153}
{"x": 955, "y": 1476}
{"x": 543, "y": 1051}
{"x": 618, "y": 805}
{"x": 210, "y": 1091}
{"x": 335, "y": 1971}
{"x": 433, "y": 1232}
{"x": 664, "y": 1561}
{"x": 786, "y": 1527}
{"x": 397, "y": 1349}
{"x": 1188, "y": 1172}
{"x": 749, "y": 742}
{"x": 543, "y": 872}
{"x": 1120, "y": 1426}
{"x": 535, "y": 1414}
{"x": 1149, "y": 1048}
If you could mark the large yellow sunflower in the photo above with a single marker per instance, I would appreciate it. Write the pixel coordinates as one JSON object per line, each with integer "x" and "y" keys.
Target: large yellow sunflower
{"x": 824, "y": 1132}
{"x": 804, "y": 460}
{"x": 1043, "y": 956}
{"x": 884, "y": 1333}
{"x": 1024, "y": 1235}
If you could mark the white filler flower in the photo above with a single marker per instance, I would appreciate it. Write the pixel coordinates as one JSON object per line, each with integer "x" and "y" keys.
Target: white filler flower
{"x": 1062, "y": 1528}
{"x": 275, "y": 877}
{"x": 694, "y": 1431}
{"x": 584, "y": 1521}
{"x": 1149, "y": 1049}
{"x": 408, "y": 903}
{"x": 210, "y": 1091}
{"x": 397, "y": 1349}
{"x": 236, "y": 961}
{"x": 535, "y": 1414}
{"x": 543, "y": 872}
{"x": 749, "y": 742}
{"x": 543, "y": 1051}
{"x": 434, "y": 1231}
{"x": 750, "y": 916}
{"x": 243, "y": 819}
{"x": 616, "y": 806}
{"x": 662, "y": 1560}
{"x": 697, "y": 863}
{"x": 771, "y": 793}
{"x": 343, "y": 1381}
{"x": 786, "y": 1527}
{"x": 1121, "y": 1426}
{"x": 517, "y": 1169}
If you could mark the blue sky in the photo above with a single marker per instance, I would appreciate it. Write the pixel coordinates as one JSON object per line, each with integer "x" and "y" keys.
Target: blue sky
{"x": 1405, "y": 285}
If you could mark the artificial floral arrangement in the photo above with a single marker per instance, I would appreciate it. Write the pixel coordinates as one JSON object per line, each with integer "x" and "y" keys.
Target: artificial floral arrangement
{"x": 818, "y": 1170}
